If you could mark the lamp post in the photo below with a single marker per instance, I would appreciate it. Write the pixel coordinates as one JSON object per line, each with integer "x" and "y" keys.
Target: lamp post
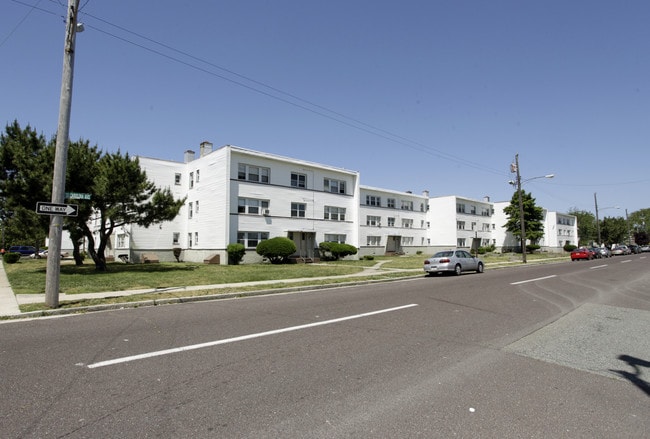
{"x": 597, "y": 220}
{"x": 515, "y": 168}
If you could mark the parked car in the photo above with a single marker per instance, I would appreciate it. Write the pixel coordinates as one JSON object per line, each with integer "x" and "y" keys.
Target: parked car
{"x": 634, "y": 248}
{"x": 582, "y": 253}
{"x": 645, "y": 248}
{"x": 453, "y": 261}
{"x": 621, "y": 250}
{"x": 596, "y": 252}
{"x": 24, "y": 250}
{"x": 43, "y": 254}
{"x": 605, "y": 252}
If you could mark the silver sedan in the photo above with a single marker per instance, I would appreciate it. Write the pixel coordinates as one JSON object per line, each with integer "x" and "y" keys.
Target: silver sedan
{"x": 453, "y": 261}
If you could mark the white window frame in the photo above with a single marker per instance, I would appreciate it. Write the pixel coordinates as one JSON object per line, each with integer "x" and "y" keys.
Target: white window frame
{"x": 334, "y": 213}
{"x": 251, "y": 239}
{"x": 298, "y": 180}
{"x": 298, "y": 210}
{"x": 334, "y": 186}
{"x": 252, "y": 173}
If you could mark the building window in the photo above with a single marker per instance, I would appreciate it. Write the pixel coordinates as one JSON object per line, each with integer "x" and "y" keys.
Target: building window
{"x": 251, "y": 239}
{"x": 121, "y": 240}
{"x": 298, "y": 180}
{"x": 407, "y": 223}
{"x": 191, "y": 180}
{"x": 372, "y": 200}
{"x": 472, "y": 210}
{"x": 407, "y": 205}
{"x": 460, "y": 208}
{"x": 373, "y": 240}
{"x": 334, "y": 213}
{"x": 486, "y": 226}
{"x": 460, "y": 225}
{"x": 197, "y": 176}
{"x": 190, "y": 210}
{"x": 334, "y": 186}
{"x": 460, "y": 242}
{"x": 175, "y": 237}
{"x": 177, "y": 179}
{"x": 252, "y": 206}
{"x": 474, "y": 225}
{"x": 335, "y": 238}
{"x": 253, "y": 173}
{"x": 390, "y": 202}
{"x": 196, "y": 238}
{"x": 373, "y": 220}
{"x": 189, "y": 240}
{"x": 391, "y": 222}
{"x": 407, "y": 240}
{"x": 196, "y": 207}
{"x": 298, "y": 210}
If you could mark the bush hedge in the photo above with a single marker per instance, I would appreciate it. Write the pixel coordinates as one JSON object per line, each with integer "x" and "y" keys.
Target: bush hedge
{"x": 11, "y": 258}
{"x": 333, "y": 251}
{"x": 277, "y": 249}
{"x": 236, "y": 253}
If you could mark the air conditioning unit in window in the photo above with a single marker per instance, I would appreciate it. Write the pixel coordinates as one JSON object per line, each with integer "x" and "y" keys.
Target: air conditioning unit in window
{"x": 266, "y": 212}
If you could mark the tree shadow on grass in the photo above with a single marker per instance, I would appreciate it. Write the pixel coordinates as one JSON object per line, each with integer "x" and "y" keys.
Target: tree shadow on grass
{"x": 89, "y": 269}
{"x": 635, "y": 377}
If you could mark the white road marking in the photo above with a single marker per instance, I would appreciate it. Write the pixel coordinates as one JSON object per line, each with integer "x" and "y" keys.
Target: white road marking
{"x": 241, "y": 338}
{"x": 625, "y": 262}
{"x": 598, "y": 266}
{"x": 533, "y": 280}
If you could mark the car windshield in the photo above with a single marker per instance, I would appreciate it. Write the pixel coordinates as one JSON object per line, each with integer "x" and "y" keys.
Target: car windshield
{"x": 446, "y": 254}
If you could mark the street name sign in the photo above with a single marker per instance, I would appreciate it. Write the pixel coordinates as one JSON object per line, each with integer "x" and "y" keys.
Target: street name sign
{"x": 43, "y": 208}
{"x": 77, "y": 196}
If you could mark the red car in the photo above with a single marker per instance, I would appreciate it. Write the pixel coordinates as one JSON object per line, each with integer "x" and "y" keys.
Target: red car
{"x": 582, "y": 253}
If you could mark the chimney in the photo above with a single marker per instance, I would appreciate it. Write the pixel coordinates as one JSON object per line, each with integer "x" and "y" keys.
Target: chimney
{"x": 487, "y": 199}
{"x": 425, "y": 193}
{"x": 189, "y": 156}
{"x": 206, "y": 148}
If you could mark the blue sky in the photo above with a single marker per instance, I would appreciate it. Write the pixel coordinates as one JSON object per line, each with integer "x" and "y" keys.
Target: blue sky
{"x": 415, "y": 95}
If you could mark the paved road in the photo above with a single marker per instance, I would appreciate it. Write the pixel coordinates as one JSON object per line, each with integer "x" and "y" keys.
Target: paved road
{"x": 556, "y": 351}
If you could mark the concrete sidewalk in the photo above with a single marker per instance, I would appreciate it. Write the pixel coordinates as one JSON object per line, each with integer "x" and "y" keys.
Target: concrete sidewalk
{"x": 9, "y": 302}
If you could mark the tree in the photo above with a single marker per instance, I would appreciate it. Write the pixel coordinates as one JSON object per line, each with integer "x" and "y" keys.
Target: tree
{"x": 587, "y": 228}
{"x": 25, "y": 178}
{"x": 533, "y": 216}
{"x": 122, "y": 195}
{"x": 613, "y": 230}
{"x": 277, "y": 249}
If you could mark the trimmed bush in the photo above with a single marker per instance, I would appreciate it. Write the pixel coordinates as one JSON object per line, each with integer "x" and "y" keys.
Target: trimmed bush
{"x": 369, "y": 257}
{"x": 532, "y": 247}
{"x": 277, "y": 249}
{"x": 11, "y": 258}
{"x": 569, "y": 247}
{"x": 333, "y": 251}
{"x": 236, "y": 253}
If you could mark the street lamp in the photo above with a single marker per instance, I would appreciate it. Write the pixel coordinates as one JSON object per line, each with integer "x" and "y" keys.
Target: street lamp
{"x": 515, "y": 168}
{"x": 597, "y": 220}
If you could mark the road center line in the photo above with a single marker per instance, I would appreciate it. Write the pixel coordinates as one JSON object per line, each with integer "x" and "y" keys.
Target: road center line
{"x": 598, "y": 266}
{"x": 241, "y": 338}
{"x": 533, "y": 280}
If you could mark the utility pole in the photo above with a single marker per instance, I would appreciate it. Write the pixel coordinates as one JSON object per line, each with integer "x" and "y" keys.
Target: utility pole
{"x": 521, "y": 212}
{"x": 61, "y": 158}
{"x": 597, "y": 221}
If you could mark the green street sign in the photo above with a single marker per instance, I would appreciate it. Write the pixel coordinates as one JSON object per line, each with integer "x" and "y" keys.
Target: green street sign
{"x": 77, "y": 196}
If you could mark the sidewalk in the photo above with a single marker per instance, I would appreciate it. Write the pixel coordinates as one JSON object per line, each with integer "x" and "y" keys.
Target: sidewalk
{"x": 9, "y": 302}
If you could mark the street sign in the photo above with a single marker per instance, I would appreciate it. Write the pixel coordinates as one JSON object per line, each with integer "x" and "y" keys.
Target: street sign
{"x": 77, "y": 196}
{"x": 43, "y": 208}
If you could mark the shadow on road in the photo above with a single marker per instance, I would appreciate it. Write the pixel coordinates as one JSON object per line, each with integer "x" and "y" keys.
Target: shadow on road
{"x": 635, "y": 378}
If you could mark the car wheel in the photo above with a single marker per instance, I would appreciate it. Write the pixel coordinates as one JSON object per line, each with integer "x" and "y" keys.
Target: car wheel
{"x": 458, "y": 269}
{"x": 480, "y": 268}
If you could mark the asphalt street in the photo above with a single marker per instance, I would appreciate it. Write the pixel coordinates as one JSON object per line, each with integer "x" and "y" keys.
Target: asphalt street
{"x": 558, "y": 350}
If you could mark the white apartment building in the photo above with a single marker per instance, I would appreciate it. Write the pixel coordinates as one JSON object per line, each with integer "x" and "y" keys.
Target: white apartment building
{"x": 240, "y": 195}
{"x": 460, "y": 222}
{"x": 392, "y": 222}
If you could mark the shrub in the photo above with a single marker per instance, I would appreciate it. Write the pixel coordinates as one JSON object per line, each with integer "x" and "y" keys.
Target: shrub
{"x": 369, "y": 257}
{"x": 177, "y": 253}
{"x": 569, "y": 247}
{"x": 530, "y": 248}
{"x": 236, "y": 253}
{"x": 277, "y": 249}
{"x": 333, "y": 251}
{"x": 11, "y": 258}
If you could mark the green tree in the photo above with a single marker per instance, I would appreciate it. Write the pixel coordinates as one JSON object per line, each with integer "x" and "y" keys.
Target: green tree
{"x": 25, "y": 179}
{"x": 613, "y": 230}
{"x": 533, "y": 216}
{"x": 277, "y": 249}
{"x": 122, "y": 195}
{"x": 587, "y": 228}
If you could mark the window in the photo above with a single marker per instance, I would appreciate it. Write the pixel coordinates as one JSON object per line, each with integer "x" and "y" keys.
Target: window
{"x": 391, "y": 222}
{"x": 472, "y": 210}
{"x": 334, "y": 213}
{"x": 177, "y": 179}
{"x": 253, "y": 173}
{"x": 407, "y": 240}
{"x": 407, "y": 223}
{"x": 486, "y": 226}
{"x": 390, "y": 202}
{"x": 190, "y": 210}
{"x": 334, "y": 186}
{"x": 335, "y": 238}
{"x": 460, "y": 242}
{"x": 460, "y": 208}
{"x": 189, "y": 240}
{"x": 196, "y": 207}
{"x": 191, "y": 180}
{"x": 373, "y": 240}
{"x": 196, "y": 238}
{"x": 421, "y": 207}
{"x": 251, "y": 239}
{"x": 175, "y": 237}
{"x": 407, "y": 205}
{"x": 298, "y": 180}
{"x": 372, "y": 200}
{"x": 252, "y": 206}
{"x": 298, "y": 210}
{"x": 121, "y": 240}
{"x": 197, "y": 175}
{"x": 474, "y": 225}
{"x": 460, "y": 225}
{"x": 373, "y": 220}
